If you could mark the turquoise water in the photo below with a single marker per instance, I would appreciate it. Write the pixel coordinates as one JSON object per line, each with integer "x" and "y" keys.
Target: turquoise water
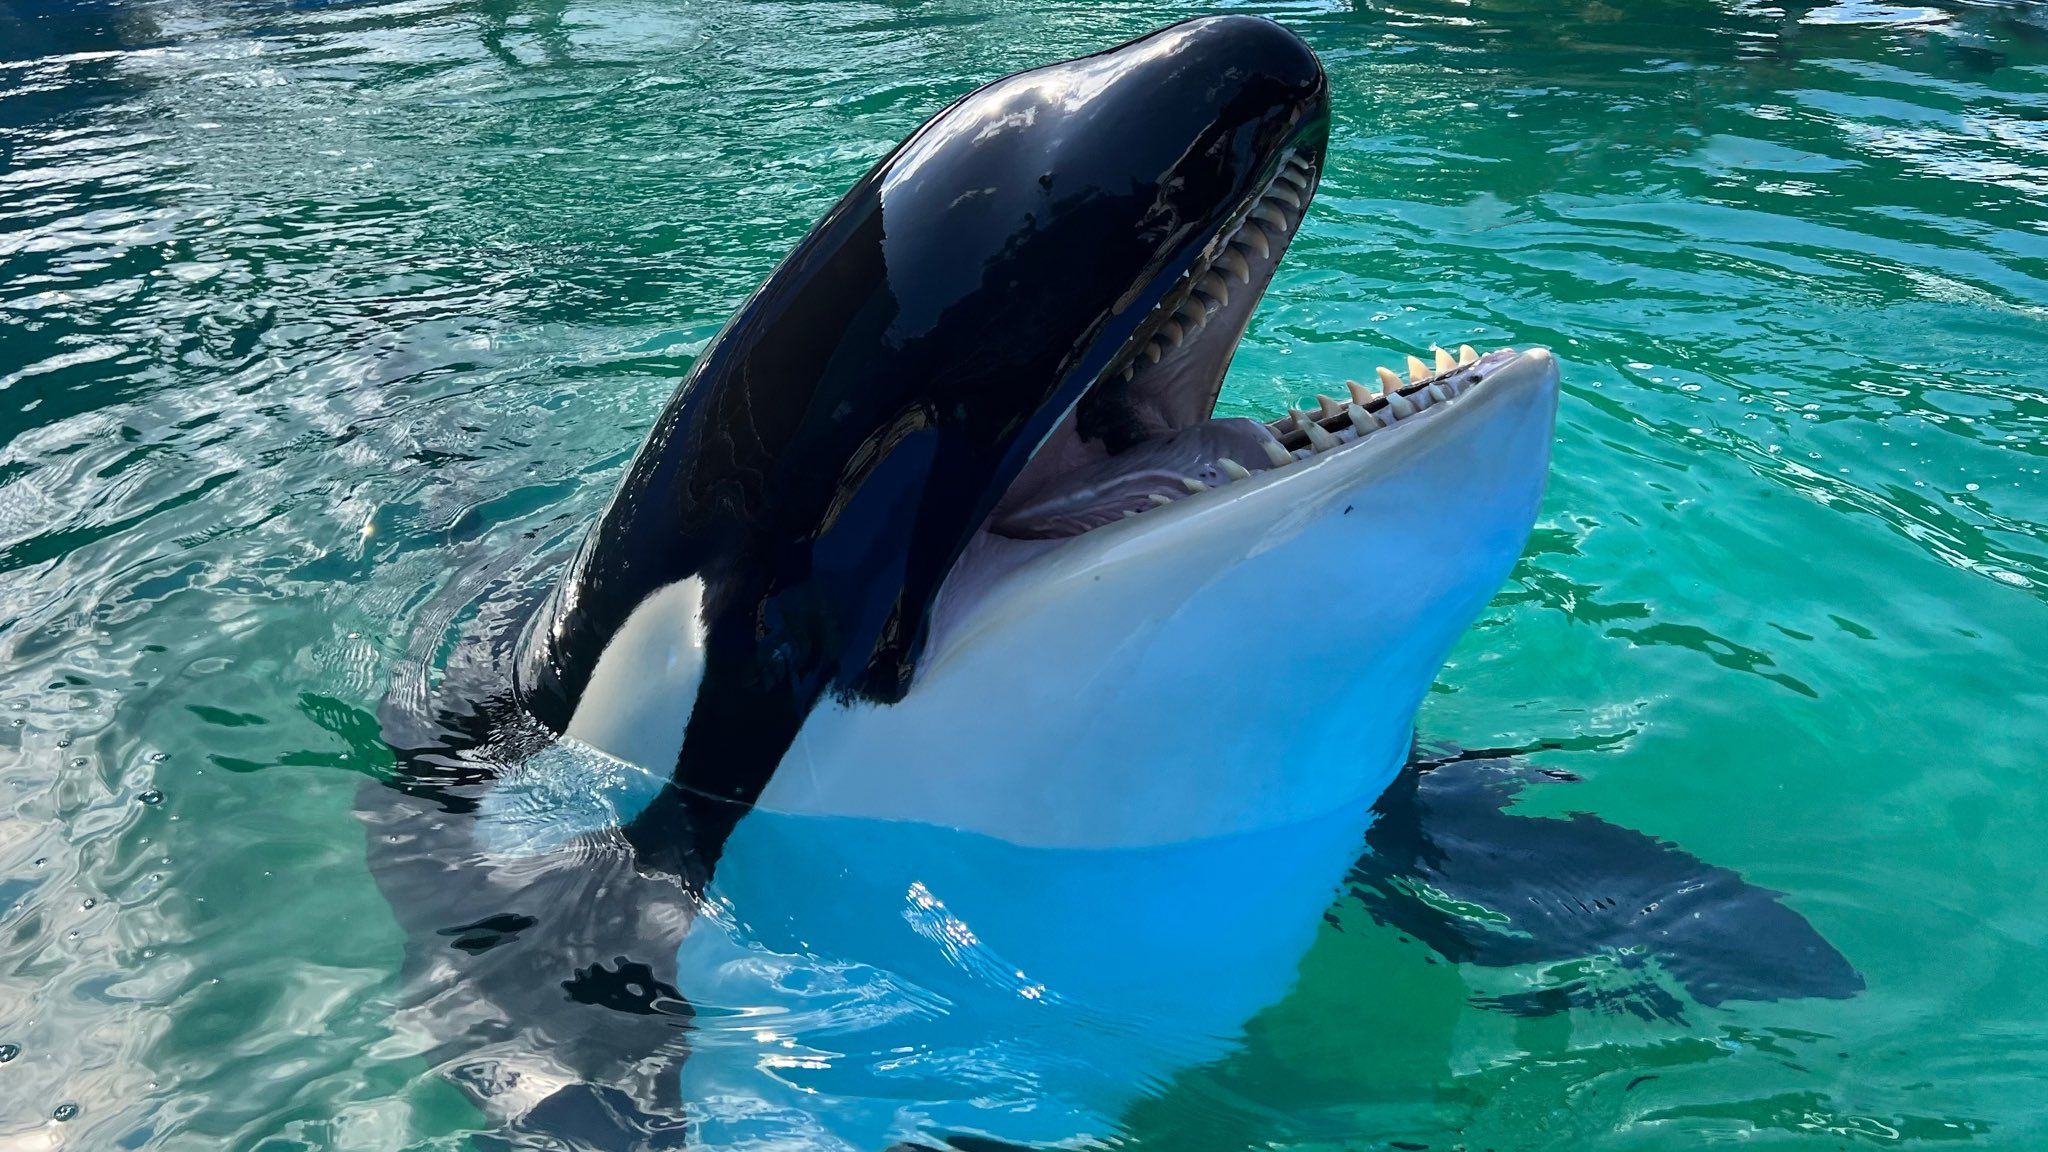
{"x": 310, "y": 314}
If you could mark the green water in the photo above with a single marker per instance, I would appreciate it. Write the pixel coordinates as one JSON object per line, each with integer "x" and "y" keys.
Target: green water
{"x": 304, "y": 310}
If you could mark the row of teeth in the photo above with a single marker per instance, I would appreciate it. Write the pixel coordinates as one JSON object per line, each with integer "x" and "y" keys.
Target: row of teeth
{"x": 1365, "y": 413}
{"x": 1275, "y": 215}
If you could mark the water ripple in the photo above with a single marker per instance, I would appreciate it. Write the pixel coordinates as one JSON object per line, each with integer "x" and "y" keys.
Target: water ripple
{"x": 317, "y": 317}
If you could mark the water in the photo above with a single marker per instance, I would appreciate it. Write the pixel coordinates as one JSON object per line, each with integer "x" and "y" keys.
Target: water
{"x": 310, "y": 312}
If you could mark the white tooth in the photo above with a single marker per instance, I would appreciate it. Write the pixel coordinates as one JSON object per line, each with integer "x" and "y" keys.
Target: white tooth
{"x": 1327, "y": 407}
{"x": 1272, "y": 217}
{"x": 1233, "y": 262}
{"x": 1296, "y": 160}
{"x": 1152, "y": 352}
{"x": 1191, "y": 314}
{"x": 1301, "y": 418}
{"x": 1417, "y": 370}
{"x": 1255, "y": 239}
{"x": 1318, "y": 439}
{"x": 1360, "y": 419}
{"x": 1172, "y": 331}
{"x": 1421, "y": 399}
{"x": 1400, "y": 406}
{"x": 1212, "y": 286}
{"x": 1360, "y": 394}
{"x": 1193, "y": 485}
{"x": 1128, "y": 513}
{"x": 1278, "y": 456}
{"x": 1157, "y": 500}
{"x": 1129, "y": 370}
{"x": 1389, "y": 383}
{"x": 1233, "y": 469}
{"x": 1466, "y": 355}
{"x": 1437, "y": 393}
{"x": 1285, "y": 196}
{"x": 1444, "y": 363}
{"x": 1298, "y": 179}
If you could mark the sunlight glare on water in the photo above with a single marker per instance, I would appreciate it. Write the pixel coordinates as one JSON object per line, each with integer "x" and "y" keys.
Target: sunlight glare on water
{"x": 310, "y": 312}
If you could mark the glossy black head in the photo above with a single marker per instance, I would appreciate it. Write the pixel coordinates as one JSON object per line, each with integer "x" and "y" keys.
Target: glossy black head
{"x": 855, "y": 424}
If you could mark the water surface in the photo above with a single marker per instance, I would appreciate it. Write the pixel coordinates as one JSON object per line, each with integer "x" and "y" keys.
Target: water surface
{"x": 311, "y": 312}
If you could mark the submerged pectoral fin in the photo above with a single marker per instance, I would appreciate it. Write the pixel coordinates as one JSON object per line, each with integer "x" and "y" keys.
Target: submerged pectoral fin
{"x": 1450, "y": 866}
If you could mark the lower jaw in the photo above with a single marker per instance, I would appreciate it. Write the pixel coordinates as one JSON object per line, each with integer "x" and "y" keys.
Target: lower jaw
{"x": 1216, "y": 453}
{"x": 1446, "y": 471}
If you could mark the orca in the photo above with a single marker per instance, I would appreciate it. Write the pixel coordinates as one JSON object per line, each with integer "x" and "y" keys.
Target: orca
{"x": 947, "y": 499}
{"x": 953, "y": 726}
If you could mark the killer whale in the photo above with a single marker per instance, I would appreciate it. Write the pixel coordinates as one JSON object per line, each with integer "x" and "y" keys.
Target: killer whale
{"x": 886, "y": 666}
{"x": 962, "y": 445}
{"x": 785, "y": 534}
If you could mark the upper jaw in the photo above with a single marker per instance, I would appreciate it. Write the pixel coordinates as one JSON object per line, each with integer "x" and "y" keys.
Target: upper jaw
{"x": 1175, "y": 368}
{"x": 1167, "y": 377}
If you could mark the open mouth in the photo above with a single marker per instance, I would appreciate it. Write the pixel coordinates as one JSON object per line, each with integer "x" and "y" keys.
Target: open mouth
{"x": 1145, "y": 436}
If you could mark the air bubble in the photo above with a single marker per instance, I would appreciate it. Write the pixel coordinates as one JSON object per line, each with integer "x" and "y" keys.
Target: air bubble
{"x": 9, "y": 1052}
{"x": 151, "y": 797}
{"x": 64, "y": 1112}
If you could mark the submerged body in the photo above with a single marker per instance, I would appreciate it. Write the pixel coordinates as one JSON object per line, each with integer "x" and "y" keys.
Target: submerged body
{"x": 863, "y": 982}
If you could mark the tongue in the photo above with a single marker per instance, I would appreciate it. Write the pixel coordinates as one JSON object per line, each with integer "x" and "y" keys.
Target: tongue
{"x": 1100, "y": 493}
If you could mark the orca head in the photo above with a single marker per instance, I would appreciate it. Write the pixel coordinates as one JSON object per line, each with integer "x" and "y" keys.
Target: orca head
{"x": 932, "y": 487}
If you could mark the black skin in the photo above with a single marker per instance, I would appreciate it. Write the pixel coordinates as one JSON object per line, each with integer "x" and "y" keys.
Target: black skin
{"x": 837, "y": 445}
